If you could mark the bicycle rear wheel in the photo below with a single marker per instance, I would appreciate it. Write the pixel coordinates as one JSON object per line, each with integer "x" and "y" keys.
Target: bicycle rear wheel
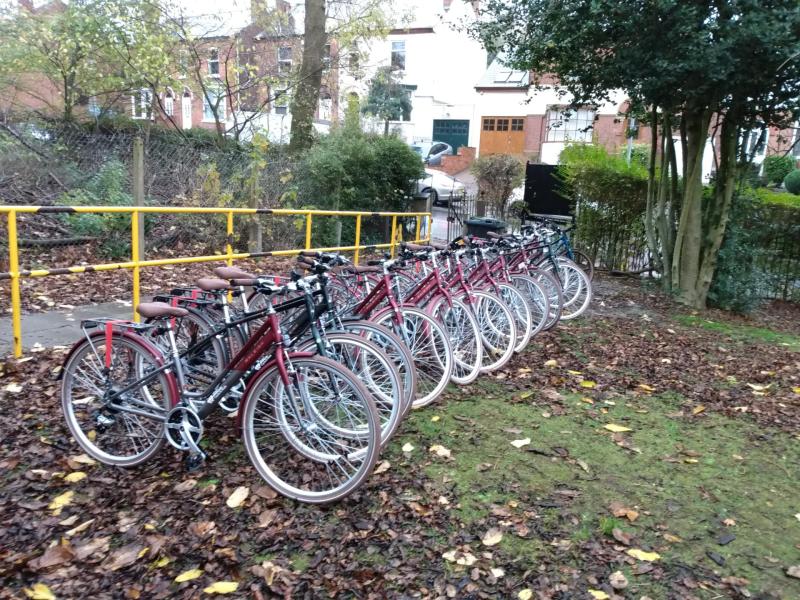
{"x": 315, "y": 439}
{"x": 129, "y": 431}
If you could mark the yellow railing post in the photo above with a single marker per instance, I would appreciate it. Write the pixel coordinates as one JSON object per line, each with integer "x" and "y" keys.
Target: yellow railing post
{"x": 229, "y": 242}
{"x": 394, "y": 232}
{"x": 13, "y": 264}
{"x": 419, "y": 222}
{"x": 357, "y": 243}
{"x": 136, "y": 258}
{"x": 308, "y": 231}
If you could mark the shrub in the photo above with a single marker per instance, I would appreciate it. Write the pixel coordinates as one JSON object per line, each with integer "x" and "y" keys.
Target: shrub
{"x": 105, "y": 188}
{"x": 610, "y": 197}
{"x": 352, "y": 170}
{"x": 497, "y": 176}
{"x": 769, "y": 196}
{"x": 792, "y": 182}
{"x": 777, "y": 167}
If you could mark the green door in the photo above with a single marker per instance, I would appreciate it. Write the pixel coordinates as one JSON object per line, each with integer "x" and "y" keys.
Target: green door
{"x": 451, "y": 131}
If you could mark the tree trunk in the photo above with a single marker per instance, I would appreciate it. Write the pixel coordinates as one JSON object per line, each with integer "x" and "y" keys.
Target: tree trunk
{"x": 649, "y": 215}
{"x": 386, "y": 128}
{"x": 306, "y": 94}
{"x": 689, "y": 240}
{"x": 716, "y": 213}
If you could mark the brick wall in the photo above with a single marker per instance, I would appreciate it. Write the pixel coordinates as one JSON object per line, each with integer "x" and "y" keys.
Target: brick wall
{"x": 458, "y": 162}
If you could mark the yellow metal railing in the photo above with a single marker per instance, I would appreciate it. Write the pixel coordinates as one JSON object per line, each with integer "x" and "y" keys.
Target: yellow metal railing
{"x": 136, "y": 264}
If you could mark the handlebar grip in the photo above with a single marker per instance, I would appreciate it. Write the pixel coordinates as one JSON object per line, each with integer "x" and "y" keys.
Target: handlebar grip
{"x": 374, "y": 263}
{"x": 493, "y": 235}
{"x": 302, "y": 260}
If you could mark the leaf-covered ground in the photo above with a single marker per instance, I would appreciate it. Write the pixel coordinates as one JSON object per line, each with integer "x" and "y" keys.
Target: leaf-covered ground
{"x": 639, "y": 452}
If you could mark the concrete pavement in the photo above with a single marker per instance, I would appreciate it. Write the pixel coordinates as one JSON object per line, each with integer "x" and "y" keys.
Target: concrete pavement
{"x": 58, "y": 328}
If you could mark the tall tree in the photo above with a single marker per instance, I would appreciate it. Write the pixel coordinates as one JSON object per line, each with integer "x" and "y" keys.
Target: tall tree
{"x": 67, "y": 49}
{"x": 306, "y": 94}
{"x": 388, "y": 99}
{"x": 700, "y": 69}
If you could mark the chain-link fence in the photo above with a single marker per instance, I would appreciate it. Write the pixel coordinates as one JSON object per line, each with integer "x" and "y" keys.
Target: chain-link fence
{"x": 45, "y": 164}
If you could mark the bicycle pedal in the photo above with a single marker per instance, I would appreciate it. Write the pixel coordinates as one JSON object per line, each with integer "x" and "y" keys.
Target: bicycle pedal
{"x": 195, "y": 461}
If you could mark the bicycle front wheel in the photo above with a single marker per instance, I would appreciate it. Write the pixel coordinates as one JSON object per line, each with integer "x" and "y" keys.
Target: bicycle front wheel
{"x": 373, "y": 368}
{"x": 464, "y": 335}
{"x": 315, "y": 439}
{"x": 497, "y": 327}
{"x": 429, "y": 347}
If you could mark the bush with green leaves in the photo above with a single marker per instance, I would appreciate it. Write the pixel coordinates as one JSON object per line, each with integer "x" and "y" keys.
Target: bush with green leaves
{"x": 497, "y": 175}
{"x": 352, "y": 170}
{"x": 610, "y": 197}
{"x": 792, "y": 182}
{"x": 777, "y": 167}
{"x": 107, "y": 187}
{"x": 739, "y": 280}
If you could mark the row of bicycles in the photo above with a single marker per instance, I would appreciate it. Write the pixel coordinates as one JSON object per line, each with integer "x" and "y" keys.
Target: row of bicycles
{"x": 318, "y": 367}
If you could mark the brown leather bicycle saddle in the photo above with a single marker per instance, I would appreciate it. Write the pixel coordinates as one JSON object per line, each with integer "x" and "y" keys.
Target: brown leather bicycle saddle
{"x": 152, "y": 310}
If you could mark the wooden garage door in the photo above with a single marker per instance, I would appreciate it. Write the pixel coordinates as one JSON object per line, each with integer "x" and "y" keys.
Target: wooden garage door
{"x": 502, "y": 135}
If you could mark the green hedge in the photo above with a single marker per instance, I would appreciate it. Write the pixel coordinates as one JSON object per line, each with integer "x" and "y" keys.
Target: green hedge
{"x": 610, "y": 197}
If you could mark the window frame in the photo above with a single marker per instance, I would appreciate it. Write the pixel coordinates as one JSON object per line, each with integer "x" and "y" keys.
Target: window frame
{"x": 280, "y": 102}
{"x": 517, "y": 124}
{"x": 169, "y": 103}
{"x": 213, "y": 61}
{"x": 222, "y": 104}
{"x": 285, "y": 64}
{"x": 397, "y": 58}
{"x": 142, "y": 104}
{"x": 579, "y": 127}
{"x": 488, "y": 124}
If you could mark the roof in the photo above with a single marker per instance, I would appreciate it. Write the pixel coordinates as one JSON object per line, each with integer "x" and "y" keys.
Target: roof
{"x": 499, "y": 76}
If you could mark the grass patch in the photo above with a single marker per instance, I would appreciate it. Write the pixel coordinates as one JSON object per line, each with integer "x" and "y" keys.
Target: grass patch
{"x": 742, "y": 332}
{"x": 687, "y": 478}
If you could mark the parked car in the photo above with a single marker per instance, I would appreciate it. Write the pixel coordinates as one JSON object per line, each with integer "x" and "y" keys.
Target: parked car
{"x": 441, "y": 188}
{"x": 431, "y": 153}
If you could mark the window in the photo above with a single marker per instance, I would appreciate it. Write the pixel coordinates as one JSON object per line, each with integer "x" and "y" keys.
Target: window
{"x": 488, "y": 124}
{"x": 142, "y": 104}
{"x": 169, "y": 103}
{"x": 217, "y": 101}
{"x": 183, "y": 63}
{"x": 92, "y": 107}
{"x": 284, "y": 59}
{"x": 517, "y": 124}
{"x": 796, "y": 141}
{"x": 399, "y": 55}
{"x": 213, "y": 62}
{"x": 326, "y": 55}
{"x": 325, "y": 108}
{"x": 570, "y": 125}
{"x": 502, "y": 124}
{"x": 755, "y": 144}
{"x": 281, "y": 101}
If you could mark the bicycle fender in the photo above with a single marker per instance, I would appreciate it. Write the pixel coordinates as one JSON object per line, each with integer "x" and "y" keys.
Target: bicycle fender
{"x": 251, "y": 383}
{"x": 172, "y": 381}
